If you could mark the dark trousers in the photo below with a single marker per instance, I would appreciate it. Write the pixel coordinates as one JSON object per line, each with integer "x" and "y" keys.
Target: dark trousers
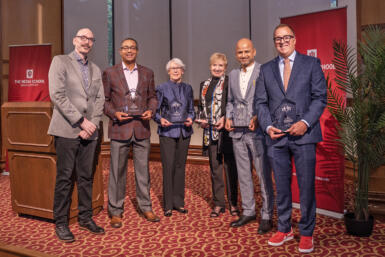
{"x": 173, "y": 153}
{"x": 75, "y": 158}
{"x": 217, "y": 181}
{"x": 118, "y": 174}
{"x": 305, "y": 160}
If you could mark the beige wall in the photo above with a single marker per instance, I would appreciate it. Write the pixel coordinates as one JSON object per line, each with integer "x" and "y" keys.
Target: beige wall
{"x": 29, "y": 22}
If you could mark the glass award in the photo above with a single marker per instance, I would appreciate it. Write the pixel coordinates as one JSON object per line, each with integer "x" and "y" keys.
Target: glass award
{"x": 241, "y": 115}
{"x": 133, "y": 105}
{"x": 285, "y": 115}
{"x": 205, "y": 115}
{"x": 175, "y": 113}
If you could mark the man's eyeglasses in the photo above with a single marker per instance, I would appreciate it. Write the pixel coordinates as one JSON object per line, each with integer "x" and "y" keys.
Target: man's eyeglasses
{"x": 84, "y": 39}
{"x": 126, "y": 48}
{"x": 285, "y": 39}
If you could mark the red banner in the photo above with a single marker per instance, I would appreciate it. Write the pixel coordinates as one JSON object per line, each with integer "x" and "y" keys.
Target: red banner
{"x": 315, "y": 33}
{"x": 28, "y": 73}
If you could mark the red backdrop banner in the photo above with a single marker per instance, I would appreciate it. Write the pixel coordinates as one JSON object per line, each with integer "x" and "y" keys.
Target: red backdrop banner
{"x": 315, "y": 33}
{"x": 28, "y": 73}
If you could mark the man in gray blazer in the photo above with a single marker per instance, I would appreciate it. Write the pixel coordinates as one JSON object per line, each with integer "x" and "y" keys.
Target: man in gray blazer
{"x": 76, "y": 91}
{"x": 290, "y": 98}
{"x": 248, "y": 138}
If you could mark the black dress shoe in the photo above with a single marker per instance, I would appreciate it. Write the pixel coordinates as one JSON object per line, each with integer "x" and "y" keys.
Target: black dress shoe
{"x": 181, "y": 210}
{"x": 265, "y": 226}
{"x": 91, "y": 226}
{"x": 64, "y": 233}
{"x": 243, "y": 220}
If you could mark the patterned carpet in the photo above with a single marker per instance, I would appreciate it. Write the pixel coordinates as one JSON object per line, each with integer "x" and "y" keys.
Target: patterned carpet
{"x": 194, "y": 234}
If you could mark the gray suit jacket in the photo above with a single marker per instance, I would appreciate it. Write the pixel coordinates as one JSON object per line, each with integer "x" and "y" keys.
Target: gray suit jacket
{"x": 234, "y": 96}
{"x": 71, "y": 101}
{"x": 306, "y": 88}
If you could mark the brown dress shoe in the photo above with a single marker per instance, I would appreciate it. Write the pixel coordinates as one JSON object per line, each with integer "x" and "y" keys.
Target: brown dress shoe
{"x": 116, "y": 222}
{"x": 150, "y": 216}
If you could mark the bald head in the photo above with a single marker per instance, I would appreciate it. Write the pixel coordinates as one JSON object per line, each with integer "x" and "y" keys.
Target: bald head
{"x": 83, "y": 31}
{"x": 83, "y": 41}
{"x": 245, "y": 52}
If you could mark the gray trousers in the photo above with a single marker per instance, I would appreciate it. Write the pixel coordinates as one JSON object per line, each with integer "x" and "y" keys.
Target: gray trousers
{"x": 250, "y": 147}
{"x": 118, "y": 174}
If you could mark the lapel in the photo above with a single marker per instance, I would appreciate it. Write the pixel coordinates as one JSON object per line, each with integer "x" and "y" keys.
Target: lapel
{"x": 236, "y": 83}
{"x": 294, "y": 71}
{"x": 140, "y": 77}
{"x": 76, "y": 67}
{"x": 277, "y": 74}
{"x": 90, "y": 75}
{"x": 122, "y": 78}
{"x": 252, "y": 79}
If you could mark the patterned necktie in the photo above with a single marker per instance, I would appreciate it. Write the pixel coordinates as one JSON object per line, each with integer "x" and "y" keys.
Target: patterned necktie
{"x": 286, "y": 72}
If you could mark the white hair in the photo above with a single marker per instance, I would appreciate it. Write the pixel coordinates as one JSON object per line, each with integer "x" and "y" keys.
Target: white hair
{"x": 177, "y": 61}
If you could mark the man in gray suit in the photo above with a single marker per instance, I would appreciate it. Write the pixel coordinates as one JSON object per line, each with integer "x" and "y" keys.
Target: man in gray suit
{"x": 76, "y": 91}
{"x": 248, "y": 138}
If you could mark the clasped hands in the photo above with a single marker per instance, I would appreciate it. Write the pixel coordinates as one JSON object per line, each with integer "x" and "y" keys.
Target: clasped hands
{"x": 217, "y": 126}
{"x": 252, "y": 124}
{"x": 297, "y": 129}
{"x": 166, "y": 123}
{"x": 122, "y": 116}
{"x": 88, "y": 128}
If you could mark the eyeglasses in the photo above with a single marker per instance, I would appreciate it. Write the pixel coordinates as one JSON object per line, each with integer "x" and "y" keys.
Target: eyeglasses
{"x": 84, "y": 39}
{"x": 175, "y": 68}
{"x": 285, "y": 39}
{"x": 126, "y": 48}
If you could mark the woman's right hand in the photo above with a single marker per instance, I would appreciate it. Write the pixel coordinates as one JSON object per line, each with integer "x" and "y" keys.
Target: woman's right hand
{"x": 164, "y": 122}
{"x": 204, "y": 124}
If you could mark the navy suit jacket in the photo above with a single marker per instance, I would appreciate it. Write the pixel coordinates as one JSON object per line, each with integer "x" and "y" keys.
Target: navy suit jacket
{"x": 306, "y": 88}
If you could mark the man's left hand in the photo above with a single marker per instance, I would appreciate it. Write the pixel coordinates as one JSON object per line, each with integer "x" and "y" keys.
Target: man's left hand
{"x": 84, "y": 135}
{"x": 297, "y": 129}
{"x": 147, "y": 115}
{"x": 252, "y": 124}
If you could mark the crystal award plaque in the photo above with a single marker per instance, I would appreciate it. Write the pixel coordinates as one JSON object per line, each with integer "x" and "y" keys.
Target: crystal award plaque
{"x": 133, "y": 105}
{"x": 205, "y": 115}
{"x": 285, "y": 115}
{"x": 241, "y": 115}
{"x": 175, "y": 113}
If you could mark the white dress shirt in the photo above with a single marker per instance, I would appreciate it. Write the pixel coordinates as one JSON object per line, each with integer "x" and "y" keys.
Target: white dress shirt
{"x": 244, "y": 77}
{"x": 131, "y": 78}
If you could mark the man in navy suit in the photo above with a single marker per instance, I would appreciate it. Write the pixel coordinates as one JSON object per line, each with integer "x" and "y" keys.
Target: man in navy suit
{"x": 290, "y": 98}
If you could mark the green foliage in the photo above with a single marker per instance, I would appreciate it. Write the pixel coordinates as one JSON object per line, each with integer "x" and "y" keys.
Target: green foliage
{"x": 362, "y": 124}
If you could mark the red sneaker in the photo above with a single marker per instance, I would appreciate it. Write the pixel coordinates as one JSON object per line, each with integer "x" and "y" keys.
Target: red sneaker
{"x": 306, "y": 244}
{"x": 279, "y": 238}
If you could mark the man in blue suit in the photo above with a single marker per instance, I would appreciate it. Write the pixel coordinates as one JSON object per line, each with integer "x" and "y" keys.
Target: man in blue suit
{"x": 290, "y": 98}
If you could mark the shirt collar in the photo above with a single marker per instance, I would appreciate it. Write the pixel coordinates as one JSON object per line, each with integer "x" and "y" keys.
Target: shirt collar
{"x": 250, "y": 67}
{"x": 125, "y": 67}
{"x": 291, "y": 57}
{"x": 80, "y": 59}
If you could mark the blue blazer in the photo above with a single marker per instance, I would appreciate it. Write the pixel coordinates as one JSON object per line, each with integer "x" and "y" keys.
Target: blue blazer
{"x": 166, "y": 93}
{"x": 307, "y": 88}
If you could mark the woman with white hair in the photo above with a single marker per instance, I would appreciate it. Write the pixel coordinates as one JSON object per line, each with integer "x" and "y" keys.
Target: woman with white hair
{"x": 174, "y": 115}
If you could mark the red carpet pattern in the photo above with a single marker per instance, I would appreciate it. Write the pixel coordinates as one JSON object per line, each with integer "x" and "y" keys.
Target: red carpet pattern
{"x": 194, "y": 234}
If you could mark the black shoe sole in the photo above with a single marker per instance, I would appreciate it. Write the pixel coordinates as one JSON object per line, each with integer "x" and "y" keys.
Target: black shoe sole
{"x": 95, "y": 233}
{"x": 262, "y": 232}
{"x": 66, "y": 240}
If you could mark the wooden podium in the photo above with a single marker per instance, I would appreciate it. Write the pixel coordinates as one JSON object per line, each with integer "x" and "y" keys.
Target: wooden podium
{"x": 32, "y": 161}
